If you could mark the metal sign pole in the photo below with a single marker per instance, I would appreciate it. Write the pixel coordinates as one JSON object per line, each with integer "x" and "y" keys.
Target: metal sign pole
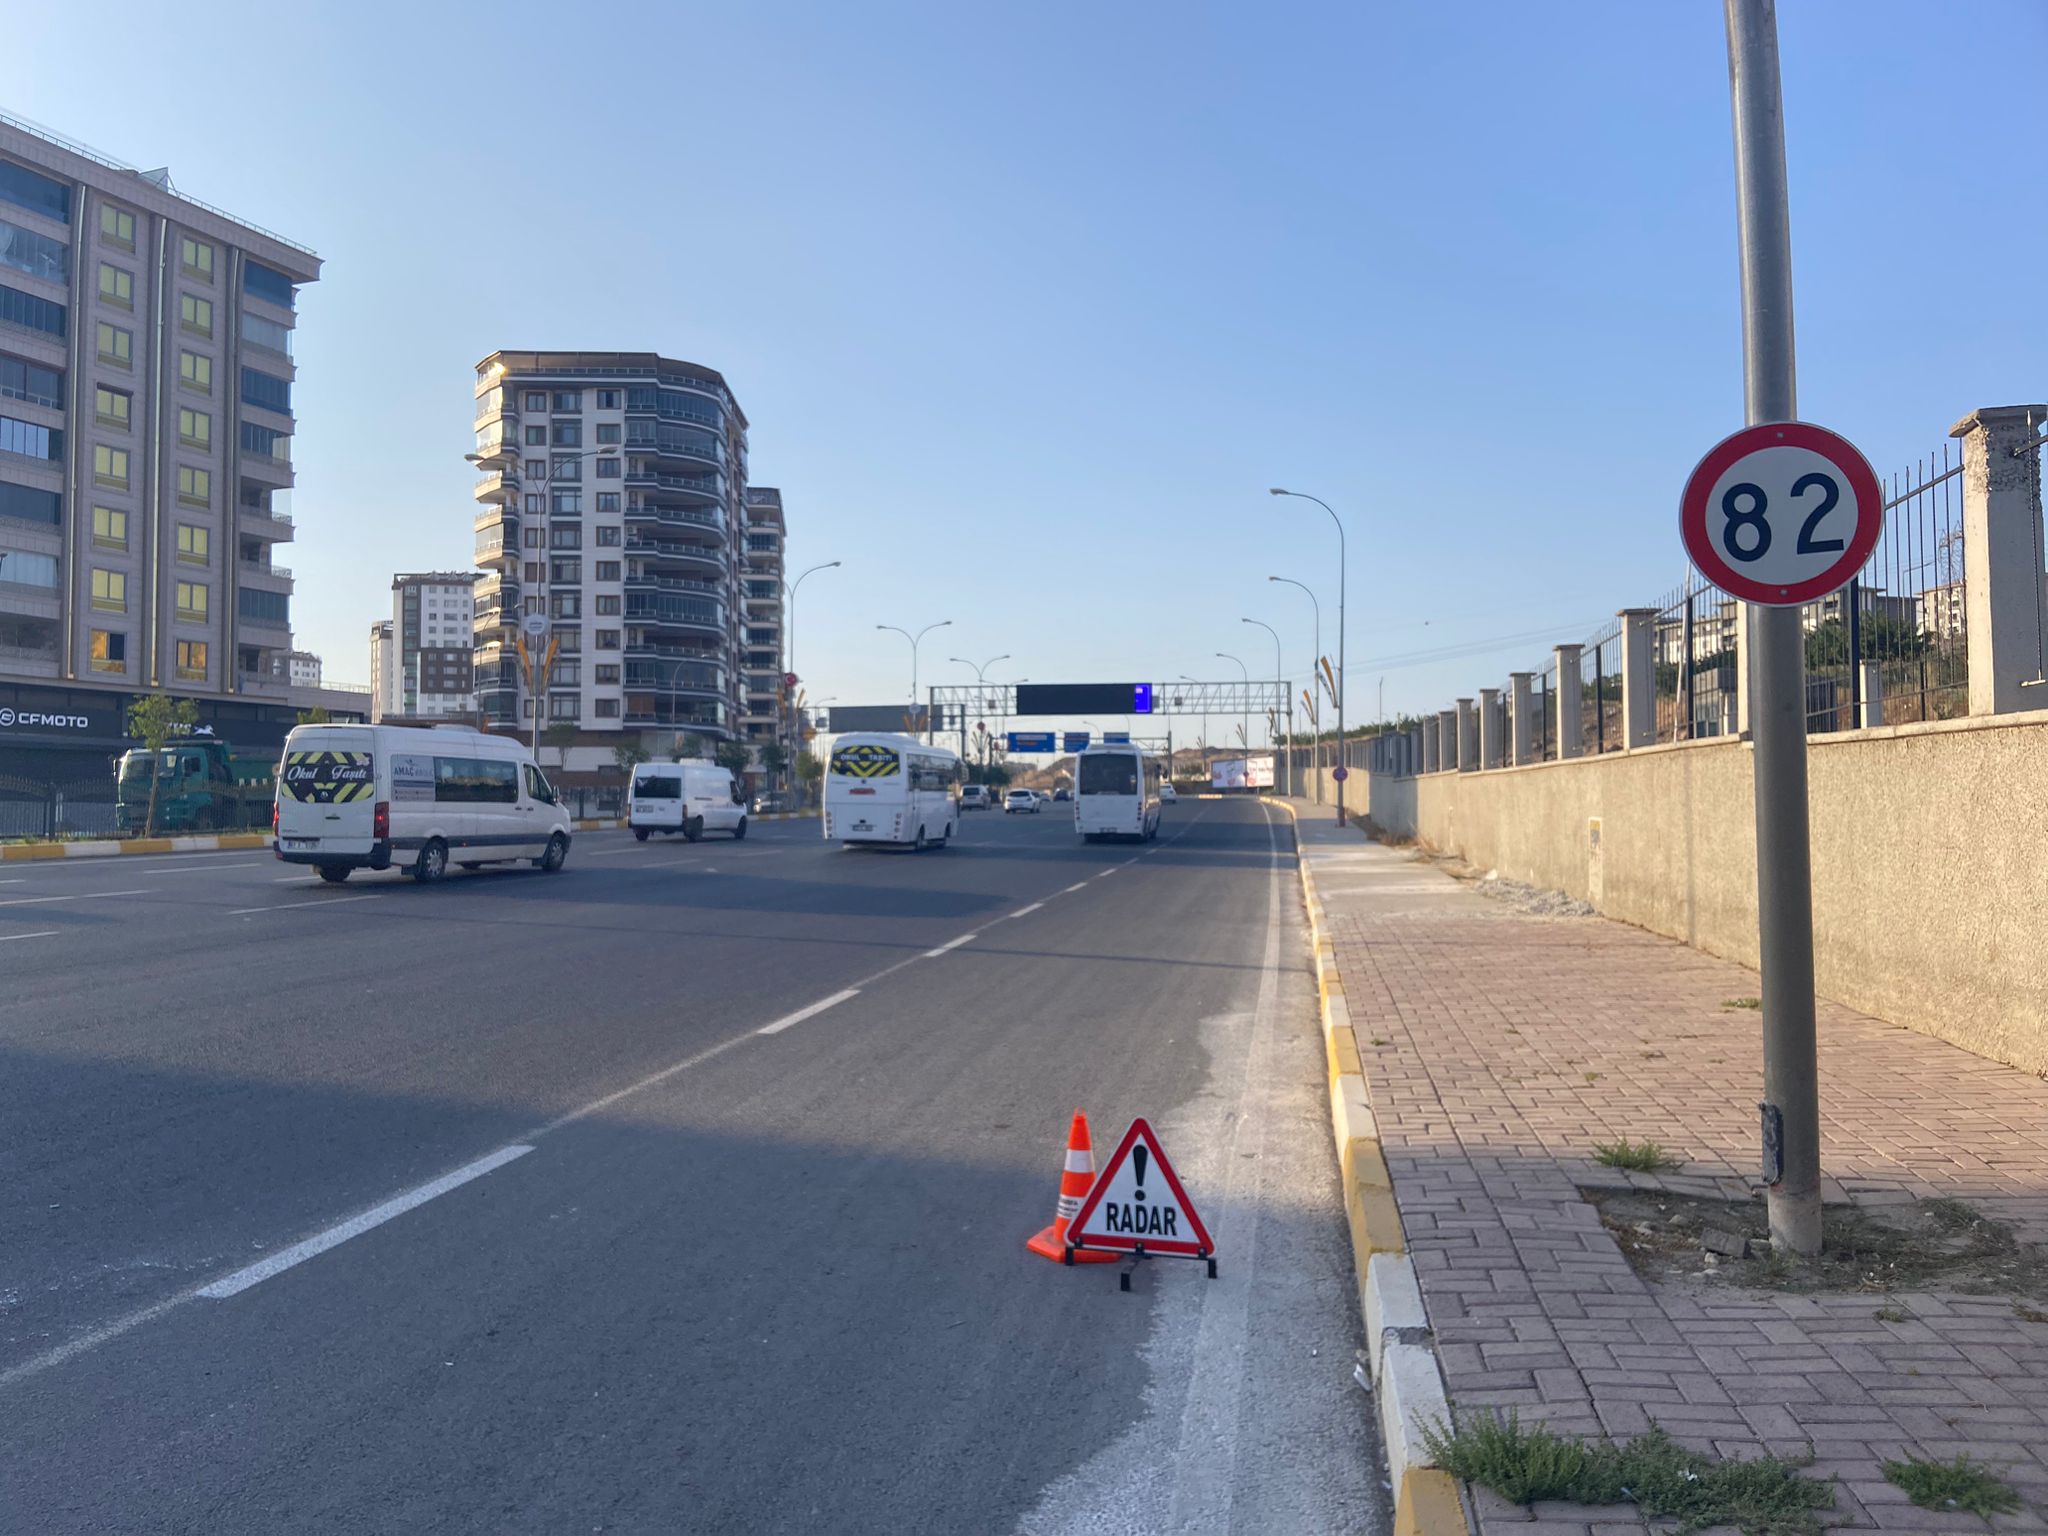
{"x": 1791, "y": 1107}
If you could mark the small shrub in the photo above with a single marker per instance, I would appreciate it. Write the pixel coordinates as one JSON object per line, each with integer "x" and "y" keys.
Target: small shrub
{"x": 1958, "y": 1484}
{"x": 1743, "y": 1002}
{"x": 1636, "y": 1156}
{"x": 1890, "y": 1314}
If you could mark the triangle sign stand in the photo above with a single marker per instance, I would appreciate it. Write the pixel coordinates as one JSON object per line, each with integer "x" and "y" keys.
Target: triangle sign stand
{"x": 1137, "y": 1206}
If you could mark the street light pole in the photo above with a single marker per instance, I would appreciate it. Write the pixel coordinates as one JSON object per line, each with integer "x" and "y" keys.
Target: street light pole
{"x": 914, "y": 639}
{"x": 981, "y": 682}
{"x": 1202, "y": 742}
{"x": 1287, "y": 768}
{"x": 1315, "y": 682}
{"x": 789, "y": 635}
{"x": 1244, "y": 730}
{"x": 1343, "y": 565}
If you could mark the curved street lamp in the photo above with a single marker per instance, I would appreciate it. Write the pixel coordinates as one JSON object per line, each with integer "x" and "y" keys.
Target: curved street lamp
{"x": 1343, "y": 561}
{"x": 1244, "y": 730}
{"x": 1315, "y": 681}
{"x": 914, "y": 639}
{"x": 1286, "y": 757}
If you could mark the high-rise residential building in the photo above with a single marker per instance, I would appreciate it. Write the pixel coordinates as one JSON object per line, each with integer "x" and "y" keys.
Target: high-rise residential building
{"x": 146, "y": 420}
{"x": 762, "y": 654}
{"x": 420, "y": 658}
{"x": 613, "y": 498}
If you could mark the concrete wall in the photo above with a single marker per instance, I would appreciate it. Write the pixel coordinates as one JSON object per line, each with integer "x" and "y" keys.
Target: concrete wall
{"x": 1930, "y": 860}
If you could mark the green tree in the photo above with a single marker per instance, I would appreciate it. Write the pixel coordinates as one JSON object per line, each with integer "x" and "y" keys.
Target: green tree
{"x": 733, "y": 756}
{"x": 774, "y": 758}
{"x": 317, "y": 715}
{"x": 627, "y": 756}
{"x": 1883, "y": 636}
{"x": 810, "y": 768}
{"x": 153, "y": 720}
{"x": 561, "y": 736}
{"x": 690, "y": 744}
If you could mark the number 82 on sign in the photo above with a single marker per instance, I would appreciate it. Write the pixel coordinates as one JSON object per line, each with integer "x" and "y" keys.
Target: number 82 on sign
{"x": 1781, "y": 514}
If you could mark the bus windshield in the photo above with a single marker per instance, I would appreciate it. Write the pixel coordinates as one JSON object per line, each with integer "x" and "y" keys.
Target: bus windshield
{"x": 1109, "y": 774}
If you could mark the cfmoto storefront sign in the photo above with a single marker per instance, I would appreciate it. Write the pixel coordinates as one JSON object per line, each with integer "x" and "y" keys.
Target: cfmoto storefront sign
{"x": 33, "y": 719}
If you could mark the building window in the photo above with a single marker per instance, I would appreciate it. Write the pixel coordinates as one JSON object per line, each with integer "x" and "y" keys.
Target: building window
{"x": 30, "y": 439}
{"x": 526, "y": 708}
{"x": 195, "y": 486}
{"x": 195, "y": 314}
{"x": 533, "y": 571}
{"x": 194, "y": 544}
{"x": 536, "y": 437}
{"x": 607, "y": 469}
{"x": 535, "y": 503}
{"x": 566, "y": 538}
{"x": 19, "y": 568}
{"x": 607, "y": 673}
{"x": 117, "y": 226}
{"x": 567, "y": 571}
{"x": 607, "y": 400}
{"x": 607, "y": 432}
{"x": 195, "y": 428}
{"x": 567, "y": 468}
{"x": 109, "y": 591}
{"x": 266, "y": 333}
{"x": 196, "y": 257}
{"x": 568, "y": 434}
{"x": 565, "y": 605}
{"x": 536, "y": 400}
{"x": 266, "y": 390}
{"x": 192, "y": 659}
{"x": 569, "y": 503}
{"x": 607, "y": 709}
{"x": 110, "y": 527}
{"x": 25, "y": 309}
{"x": 195, "y": 371}
{"x": 109, "y": 651}
{"x": 110, "y": 466}
{"x": 562, "y": 708}
{"x": 607, "y": 639}
{"x": 608, "y": 537}
{"x": 268, "y": 283}
{"x": 116, "y": 346}
{"x": 536, "y": 469}
{"x": 533, "y": 536}
{"x": 112, "y": 407}
{"x": 608, "y": 501}
{"x": 37, "y": 255}
{"x": 607, "y": 606}
{"x": 568, "y": 399}
{"x": 266, "y": 442}
{"x": 38, "y": 194}
{"x": 607, "y": 570}
{"x": 117, "y": 286}
{"x": 191, "y": 598}
{"x": 566, "y": 674}
{"x": 37, "y": 385}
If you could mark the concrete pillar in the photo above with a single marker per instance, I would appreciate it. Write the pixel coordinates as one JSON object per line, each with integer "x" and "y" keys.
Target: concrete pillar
{"x": 1431, "y": 741}
{"x": 1570, "y": 702}
{"x": 1447, "y": 741}
{"x": 2002, "y": 556}
{"x": 1415, "y": 750}
{"x": 1489, "y": 728}
{"x": 1873, "y": 694}
{"x": 1638, "y": 677}
{"x": 1521, "y": 719}
{"x": 1467, "y": 728}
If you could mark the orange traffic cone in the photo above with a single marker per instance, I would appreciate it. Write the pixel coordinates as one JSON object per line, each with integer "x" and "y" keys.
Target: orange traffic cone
{"x": 1074, "y": 1185}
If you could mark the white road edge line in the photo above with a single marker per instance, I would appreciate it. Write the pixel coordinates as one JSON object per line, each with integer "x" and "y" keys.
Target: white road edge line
{"x": 300, "y": 906}
{"x": 25, "y": 901}
{"x": 965, "y": 938}
{"x": 807, "y": 1013}
{"x": 355, "y": 1226}
{"x": 1027, "y": 911}
{"x": 1079, "y": 886}
{"x": 47, "y": 933}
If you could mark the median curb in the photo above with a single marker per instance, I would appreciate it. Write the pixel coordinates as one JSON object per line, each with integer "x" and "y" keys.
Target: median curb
{"x": 107, "y": 848}
{"x": 1408, "y": 1383}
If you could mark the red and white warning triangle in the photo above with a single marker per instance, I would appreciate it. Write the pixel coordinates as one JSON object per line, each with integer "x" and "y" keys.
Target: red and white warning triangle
{"x": 1138, "y": 1203}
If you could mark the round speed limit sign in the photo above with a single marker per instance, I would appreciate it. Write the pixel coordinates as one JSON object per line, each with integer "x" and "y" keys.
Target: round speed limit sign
{"x": 1781, "y": 514}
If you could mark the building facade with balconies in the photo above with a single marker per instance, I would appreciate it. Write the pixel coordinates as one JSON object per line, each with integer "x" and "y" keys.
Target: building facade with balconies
{"x": 146, "y": 419}
{"x": 421, "y": 658}
{"x": 762, "y": 654}
{"x": 611, "y": 498}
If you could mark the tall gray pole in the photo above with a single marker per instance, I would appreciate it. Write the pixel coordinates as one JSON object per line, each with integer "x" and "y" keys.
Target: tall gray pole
{"x": 1244, "y": 729}
{"x": 1777, "y": 681}
{"x": 1343, "y": 566}
{"x": 1286, "y": 785}
{"x": 1315, "y": 687}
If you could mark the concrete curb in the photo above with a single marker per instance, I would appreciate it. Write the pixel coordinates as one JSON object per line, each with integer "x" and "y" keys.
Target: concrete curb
{"x": 1407, "y": 1381}
{"x": 107, "y": 848}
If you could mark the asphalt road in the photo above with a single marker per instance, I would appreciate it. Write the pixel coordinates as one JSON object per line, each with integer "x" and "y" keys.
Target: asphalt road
{"x": 529, "y": 1203}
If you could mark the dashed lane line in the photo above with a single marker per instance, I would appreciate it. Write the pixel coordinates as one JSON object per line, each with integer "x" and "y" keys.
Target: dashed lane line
{"x": 46, "y": 933}
{"x": 301, "y": 906}
{"x": 807, "y": 1013}
{"x": 25, "y": 901}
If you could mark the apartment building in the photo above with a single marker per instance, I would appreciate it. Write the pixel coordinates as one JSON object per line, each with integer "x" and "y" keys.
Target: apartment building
{"x": 612, "y": 495}
{"x": 763, "y": 654}
{"x": 383, "y": 674}
{"x": 146, "y": 420}
{"x": 421, "y": 666}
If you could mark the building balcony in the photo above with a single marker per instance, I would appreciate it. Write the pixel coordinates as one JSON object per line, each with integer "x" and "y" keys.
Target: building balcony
{"x": 645, "y": 477}
{"x": 264, "y": 576}
{"x": 494, "y": 484}
{"x": 678, "y": 453}
{"x": 700, "y": 557}
{"x": 648, "y": 582}
{"x": 262, "y": 523}
{"x": 497, "y": 549}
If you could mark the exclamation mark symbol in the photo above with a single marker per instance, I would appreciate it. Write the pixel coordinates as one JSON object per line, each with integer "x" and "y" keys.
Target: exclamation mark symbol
{"x": 1138, "y": 1156}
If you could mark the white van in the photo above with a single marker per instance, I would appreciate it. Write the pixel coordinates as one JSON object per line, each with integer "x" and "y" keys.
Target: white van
{"x": 1116, "y": 793}
{"x": 692, "y": 796}
{"x": 370, "y": 796}
{"x": 885, "y": 788}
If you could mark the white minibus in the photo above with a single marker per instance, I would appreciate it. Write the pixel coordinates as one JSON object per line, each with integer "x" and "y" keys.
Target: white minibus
{"x": 692, "y": 796}
{"x": 1116, "y": 793}
{"x": 370, "y": 796}
{"x": 882, "y": 788}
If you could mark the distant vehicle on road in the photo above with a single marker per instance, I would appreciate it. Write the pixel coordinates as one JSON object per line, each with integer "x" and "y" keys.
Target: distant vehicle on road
{"x": 370, "y": 796}
{"x": 1019, "y": 801}
{"x": 885, "y": 788}
{"x": 1168, "y": 795}
{"x": 202, "y": 786}
{"x": 1063, "y": 794}
{"x": 691, "y": 796}
{"x": 1116, "y": 793}
{"x": 975, "y": 797}
{"x": 773, "y": 803}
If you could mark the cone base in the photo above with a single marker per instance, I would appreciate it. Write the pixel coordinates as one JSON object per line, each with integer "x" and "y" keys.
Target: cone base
{"x": 1048, "y": 1246}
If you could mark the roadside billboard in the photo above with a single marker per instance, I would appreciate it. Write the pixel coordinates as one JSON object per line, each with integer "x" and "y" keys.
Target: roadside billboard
{"x": 1229, "y": 775}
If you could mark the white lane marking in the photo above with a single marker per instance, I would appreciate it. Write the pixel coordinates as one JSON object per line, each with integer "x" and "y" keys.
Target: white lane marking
{"x": 807, "y": 1013}
{"x": 1105, "y": 874}
{"x": 1027, "y": 911}
{"x": 47, "y": 933}
{"x": 965, "y": 938}
{"x": 610, "y": 853}
{"x": 300, "y": 906}
{"x": 355, "y": 1226}
{"x": 1127, "y": 863}
{"x": 207, "y": 869}
{"x": 17, "y": 880}
{"x": 1080, "y": 886}
{"x": 23, "y": 901}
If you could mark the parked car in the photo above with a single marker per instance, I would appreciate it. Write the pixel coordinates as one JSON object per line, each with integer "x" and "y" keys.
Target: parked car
{"x": 975, "y": 797}
{"x": 771, "y": 804}
{"x": 1020, "y": 800}
{"x": 1168, "y": 794}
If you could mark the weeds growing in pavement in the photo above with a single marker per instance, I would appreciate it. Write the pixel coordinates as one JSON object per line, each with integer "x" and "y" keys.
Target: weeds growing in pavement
{"x": 1636, "y": 1156}
{"x": 1958, "y": 1484}
{"x": 1743, "y": 1002}
{"x": 1890, "y": 1315}
{"x": 1764, "y": 1497}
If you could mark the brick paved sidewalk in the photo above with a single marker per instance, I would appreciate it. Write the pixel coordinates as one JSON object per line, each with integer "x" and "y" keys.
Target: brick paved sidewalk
{"x": 1500, "y": 1048}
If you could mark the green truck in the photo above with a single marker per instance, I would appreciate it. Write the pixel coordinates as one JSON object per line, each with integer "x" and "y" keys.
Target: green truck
{"x": 201, "y": 786}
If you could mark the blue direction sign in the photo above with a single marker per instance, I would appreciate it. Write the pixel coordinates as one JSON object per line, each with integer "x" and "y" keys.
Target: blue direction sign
{"x": 1116, "y": 738}
{"x": 1075, "y": 741}
{"x": 1034, "y": 741}
{"x": 1141, "y": 699}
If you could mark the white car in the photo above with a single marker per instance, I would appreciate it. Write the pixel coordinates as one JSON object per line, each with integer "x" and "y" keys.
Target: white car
{"x": 1020, "y": 800}
{"x": 1168, "y": 794}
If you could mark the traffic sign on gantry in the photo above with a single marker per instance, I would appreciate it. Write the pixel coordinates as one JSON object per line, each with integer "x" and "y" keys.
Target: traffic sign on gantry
{"x": 1781, "y": 513}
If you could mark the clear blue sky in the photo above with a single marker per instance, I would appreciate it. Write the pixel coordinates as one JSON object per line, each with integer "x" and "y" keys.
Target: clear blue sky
{"x": 1028, "y": 305}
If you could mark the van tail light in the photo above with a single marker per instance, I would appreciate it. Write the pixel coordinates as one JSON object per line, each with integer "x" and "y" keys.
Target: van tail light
{"x": 273, "y": 818}
{"x": 380, "y": 820}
